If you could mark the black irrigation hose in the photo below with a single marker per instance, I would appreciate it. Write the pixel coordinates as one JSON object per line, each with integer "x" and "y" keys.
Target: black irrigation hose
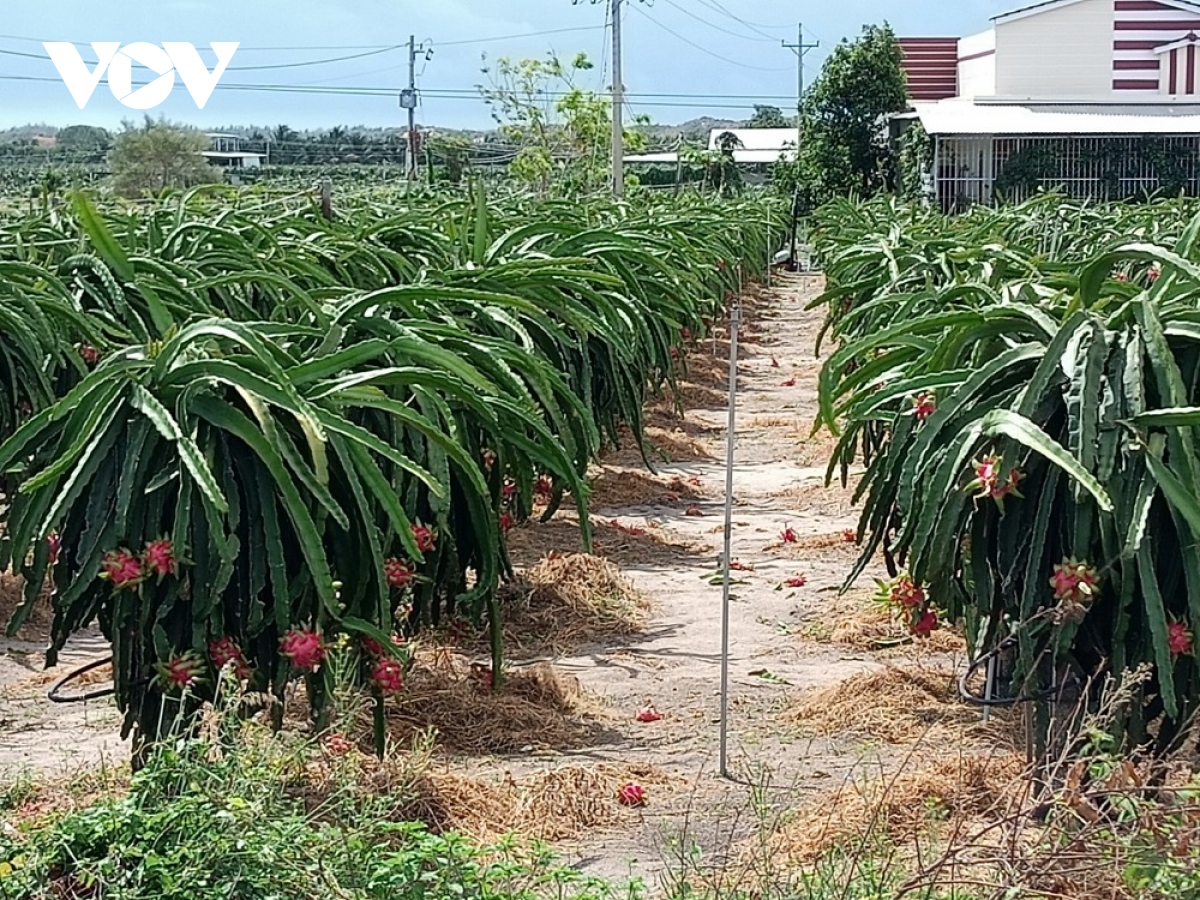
{"x": 54, "y": 696}
{"x": 965, "y": 693}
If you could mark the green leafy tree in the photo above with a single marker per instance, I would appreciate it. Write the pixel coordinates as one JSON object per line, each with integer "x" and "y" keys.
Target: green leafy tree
{"x": 85, "y": 138}
{"x": 452, "y": 153}
{"x": 844, "y": 142}
{"x": 769, "y": 117}
{"x": 157, "y": 156}
{"x": 560, "y": 130}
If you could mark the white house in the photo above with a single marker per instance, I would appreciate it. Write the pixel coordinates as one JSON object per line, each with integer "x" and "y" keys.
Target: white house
{"x": 756, "y": 146}
{"x": 1098, "y": 97}
{"x": 226, "y": 150}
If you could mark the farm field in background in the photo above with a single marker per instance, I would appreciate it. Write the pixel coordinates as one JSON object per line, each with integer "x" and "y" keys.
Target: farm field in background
{"x": 404, "y": 528}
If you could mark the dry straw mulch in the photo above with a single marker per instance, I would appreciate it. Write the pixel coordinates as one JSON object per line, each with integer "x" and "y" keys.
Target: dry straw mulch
{"x": 615, "y": 489}
{"x": 898, "y": 705}
{"x": 565, "y": 603}
{"x": 535, "y": 708}
{"x": 664, "y": 443}
{"x": 902, "y": 807}
{"x": 876, "y": 629}
{"x": 553, "y": 805}
{"x": 624, "y": 543}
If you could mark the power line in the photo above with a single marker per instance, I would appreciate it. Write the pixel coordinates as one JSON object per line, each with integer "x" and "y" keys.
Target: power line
{"x": 703, "y": 49}
{"x": 723, "y": 30}
{"x": 293, "y": 65}
{"x": 375, "y": 48}
{"x": 753, "y": 26}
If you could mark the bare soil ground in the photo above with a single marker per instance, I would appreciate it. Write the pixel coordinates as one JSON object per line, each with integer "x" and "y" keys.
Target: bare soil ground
{"x": 664, "y": 531}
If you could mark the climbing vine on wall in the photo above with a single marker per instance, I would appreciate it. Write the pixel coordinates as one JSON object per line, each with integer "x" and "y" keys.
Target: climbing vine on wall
{"x": 915, "y": 165}
{"x": 1110, "y": 161}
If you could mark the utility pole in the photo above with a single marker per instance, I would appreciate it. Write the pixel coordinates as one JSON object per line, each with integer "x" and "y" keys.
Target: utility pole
{"x": 801, "y": 49}
{"x": 618, "y": 100}
{"x": 408, "y": 100}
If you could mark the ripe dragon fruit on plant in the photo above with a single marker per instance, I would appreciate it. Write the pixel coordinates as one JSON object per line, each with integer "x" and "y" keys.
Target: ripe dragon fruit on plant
{"x": 926, "y": 624}
{"x": 924, "y": 405}
{"x": 425, "y": 538}
{"x": 181, "y": 672}
{"x": 988, "y": 483}
{"x": 399, "y": 573}
{"x": 1179, "y": 639}
{"x": 303, "y": 647}
{"x": 160, "y": 558}
{"x": 388, "y": 675}
{"x": 224, "y": 651}
{"x": 902, "y": 592}
{"x": 122, "y": 569}
{"x": 1074, "y": 583}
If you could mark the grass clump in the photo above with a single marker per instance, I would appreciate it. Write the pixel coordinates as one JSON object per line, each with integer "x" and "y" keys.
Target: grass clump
{"x": 238, "y": 815}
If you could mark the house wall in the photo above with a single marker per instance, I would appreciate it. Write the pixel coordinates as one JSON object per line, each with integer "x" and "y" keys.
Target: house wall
{"x": 1140, "y": 27}
{"x": 930, "y": 67}
{"x": 977, "y": 65}
{"x": 1064, "y": 52}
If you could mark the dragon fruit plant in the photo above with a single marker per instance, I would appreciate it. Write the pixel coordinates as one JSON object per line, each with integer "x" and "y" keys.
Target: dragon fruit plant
{"x": 1027, "y": 420}
{"x": 242, "y": 455}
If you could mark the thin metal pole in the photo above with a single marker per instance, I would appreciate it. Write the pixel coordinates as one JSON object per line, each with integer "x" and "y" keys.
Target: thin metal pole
{"x": 618, "y": 99}
{"x": 735, "y": 320}
{"x": 989, "y": 688}
{"x": 412, "y": 112}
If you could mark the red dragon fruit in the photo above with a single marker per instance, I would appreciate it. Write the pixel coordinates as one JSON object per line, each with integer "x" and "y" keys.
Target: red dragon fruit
{"x": 303, "y": 647}
{"x": 122, "y": 569}
{"x": 399, "y": 573}
{"x": 1074, "y": 583}
{"x": 926, "y": 625}
{"x": 796, "y": 581}
{"x": 789, "y": 535}
{"x": 544, "y": 488}
{"x": 648, "y": 714}
{"x": 425, "y": 538}
{"x": 507, "y": 521}
{"x": 224, "y": 651}
{"x": 388, "y": 675}
{"x": 160, "y": 558}
{"x": 338, "y": 745}
{"x": 90, "y": 354}
{"x": 906, "y": 593}
{"x": 509, "y": 490}
{"x": 54, "y": 542}
{"x": 1179, "y": 639}
{"x": 181, "y": 672}
{"x": 925, "y": 405}
{"x": 631, "y": 794}
{"x": 988, "y": 483}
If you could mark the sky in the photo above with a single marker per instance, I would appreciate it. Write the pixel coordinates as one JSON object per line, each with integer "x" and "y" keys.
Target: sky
{"x": 682, "y": 58}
